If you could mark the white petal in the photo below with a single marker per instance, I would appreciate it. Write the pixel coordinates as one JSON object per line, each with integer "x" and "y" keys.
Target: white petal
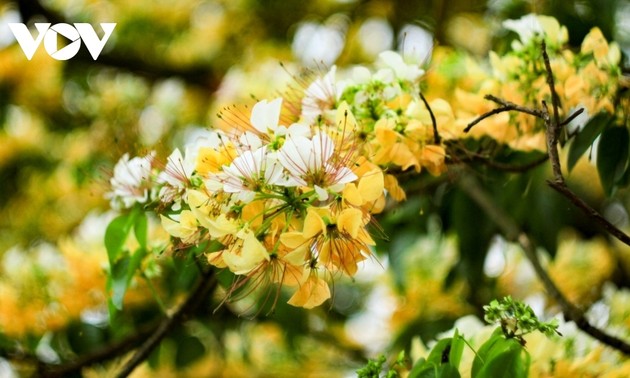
{"x": 266, "y": 115}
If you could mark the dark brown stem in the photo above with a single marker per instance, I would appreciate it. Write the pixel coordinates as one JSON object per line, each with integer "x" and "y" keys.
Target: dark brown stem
{"x": 436, "y": 135}
{"x": 506, "y": 106}
{"x": 512, "y": 232}
{"x": 111, "y": 351}
{"x": 197, "y": 297}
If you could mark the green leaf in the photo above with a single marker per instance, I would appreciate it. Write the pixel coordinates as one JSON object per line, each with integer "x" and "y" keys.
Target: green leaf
{"x": 140, "y": 229}
{"x": 584, "y": 139}
{"x": 189, "y": 349}
{"x": 612, "y": 157}
{"x": 457, "y": 350}
{"x": 440, "y": 354}
{"x": 500, "y": 357}
{"x": 116, "y": 234}
{"x": 117, "y": 282}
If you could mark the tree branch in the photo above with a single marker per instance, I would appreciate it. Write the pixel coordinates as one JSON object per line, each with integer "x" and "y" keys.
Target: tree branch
{"x": 207, "y": 284}
{"x": 436, "y": 135}
{"x": 506, "y": 106}
{"x": 512, "y": 232}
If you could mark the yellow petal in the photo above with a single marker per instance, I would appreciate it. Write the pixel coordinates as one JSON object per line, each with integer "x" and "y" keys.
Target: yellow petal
{"x": 349, "y": 221}
{"x": 352, "y": 195}
{"x": 252, "y": 213}
{"x": 293, "y": 239}
{"x": 221, "y": 226}
{"x": 216, "y": 259}
{"x": 311, "y": 293}
{"x": 344, "y": 118}
{"x": 371, "y": 186}
{"x": 313, "y": 224}
{"x": 393, "y": 188}
{"x": 247, "y": 257}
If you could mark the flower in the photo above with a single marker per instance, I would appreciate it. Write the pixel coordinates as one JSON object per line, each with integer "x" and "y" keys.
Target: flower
{"x": 266, "y": 115}
{"x": 249, "y": 173}
{"x": 402, "y": 70}
{"x": 313, "y": 163}
{"x": 320, "y": 96}
{"x": 337, "y": 240}
{"x": 131, "y": 181}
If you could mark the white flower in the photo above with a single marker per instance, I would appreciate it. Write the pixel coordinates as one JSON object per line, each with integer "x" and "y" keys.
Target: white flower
{"x": 131, "y": 181}
{"x": 320, "y": 96}
{"x": 266, "y": 115}
{"x": 402, "y": 70}
{"x": 178, "y": 169}
{"x": 315, "y": 162}
{"x": 527, "y": 27}
{"x": 248, "y": 173}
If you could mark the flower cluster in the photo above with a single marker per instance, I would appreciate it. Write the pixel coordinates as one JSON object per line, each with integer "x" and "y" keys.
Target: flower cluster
{"x": 284, "y": 193}
{"x": 286, "y": 197}
{"x": 586, "y": 79}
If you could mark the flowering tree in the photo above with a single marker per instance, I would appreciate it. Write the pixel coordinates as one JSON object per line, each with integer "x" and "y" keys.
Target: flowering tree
{"x": 427, "y": 167}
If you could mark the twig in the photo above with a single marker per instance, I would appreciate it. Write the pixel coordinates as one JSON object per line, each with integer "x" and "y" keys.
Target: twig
{"x": 506, "y": 106}
{"x": 111, "y": 351}
{"x": 562, "y": 188}
{"x": 559, "y": 183}
{"x": 512, "y": 232}
{"x": 197, "y": 297}
{"x": 436, "y": 135}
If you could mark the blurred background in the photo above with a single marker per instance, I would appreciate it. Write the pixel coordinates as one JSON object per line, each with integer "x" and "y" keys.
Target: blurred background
{"x": 166, "y": 71}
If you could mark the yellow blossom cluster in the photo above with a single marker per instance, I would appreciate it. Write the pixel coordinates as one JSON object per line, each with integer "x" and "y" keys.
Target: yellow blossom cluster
{"x": 284, "y": 193}
{"x": 586, "y": 79}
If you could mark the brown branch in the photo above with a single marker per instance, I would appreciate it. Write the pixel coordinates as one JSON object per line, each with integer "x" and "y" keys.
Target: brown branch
{"x": 111, "y": 351}
{"x": 506, "y": 106}
{"x": 436, "y": 135}
{"x": 562, "y": 188}
{"x": 559, "y": 184}
{"x": 197, "y": 297}
{"x": 512, "y": 232}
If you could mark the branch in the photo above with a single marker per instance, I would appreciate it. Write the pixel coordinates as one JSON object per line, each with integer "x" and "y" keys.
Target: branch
{"x": 197, "y": 297}
{"x": 147, "y": 338}
{"x": 506, "y": 106}
{"x": 111, "y": 351}
{"x": 512, "y": 232}
{"x": 436, "y": 135}
{"x": 559, "y": 184}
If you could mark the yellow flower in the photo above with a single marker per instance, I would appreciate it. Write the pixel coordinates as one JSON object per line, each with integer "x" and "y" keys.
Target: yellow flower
{"x": 201, "y": 205}
{"x": 246, "y": 253}
{"x": 312, "y": 292}
{"x": 338, "y": 241}
{"x": 184, "y": 228}
{"x": 369, "y": 189}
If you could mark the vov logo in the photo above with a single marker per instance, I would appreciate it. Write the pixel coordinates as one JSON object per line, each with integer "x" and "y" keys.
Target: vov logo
{"x": 77, "y": 33}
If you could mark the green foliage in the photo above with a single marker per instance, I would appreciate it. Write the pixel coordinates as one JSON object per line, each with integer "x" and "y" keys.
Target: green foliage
{"x": 585, "y": 138}
{"x": 517, "y": 319}
{"x": 501, "y": 357}
{"x": 443, "y": 361}
{"x": 124, "y": 263}
{"x": 612, "y": 157}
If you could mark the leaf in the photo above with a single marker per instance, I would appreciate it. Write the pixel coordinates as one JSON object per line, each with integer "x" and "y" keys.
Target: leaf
{"x": 457, "y": 350}
{"x": 117, "y": 282}
{"x": 116, "y": 234}
{"x": 612, "y": 157}
{"x": 189, "y": 349}
{"x": 500, "y": 357}
{"x": 440, "y": 354}
{"x": 584, "y": 139}
{"x": 140, "y": 229}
